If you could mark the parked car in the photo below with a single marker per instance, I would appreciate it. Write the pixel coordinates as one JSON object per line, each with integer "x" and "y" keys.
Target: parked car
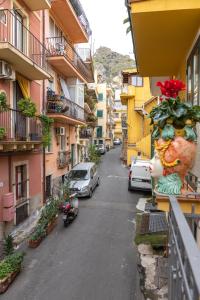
{"x": 117, "y": 142}
{"x": 83, "y": 179}
{"x": 101, "y": 148}
{"x": 139, "y": 176}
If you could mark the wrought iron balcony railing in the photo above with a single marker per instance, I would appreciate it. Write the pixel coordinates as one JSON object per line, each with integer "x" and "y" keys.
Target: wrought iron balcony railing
{"x": 67, "y": 108}
{"x": 81, "y": 16}
{"x": 184, "y": 257}
{"x": 85, "y": 134}
{"x": 59, "y": 46}
{"x": 17, "y": 127}
{"x": 13, "y": 31}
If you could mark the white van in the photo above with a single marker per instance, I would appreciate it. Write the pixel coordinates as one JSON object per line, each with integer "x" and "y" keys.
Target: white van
{"x": 139, "y": 176}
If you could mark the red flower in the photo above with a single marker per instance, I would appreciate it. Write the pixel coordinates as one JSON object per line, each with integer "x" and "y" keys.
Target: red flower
{"x": 171, "y": 88}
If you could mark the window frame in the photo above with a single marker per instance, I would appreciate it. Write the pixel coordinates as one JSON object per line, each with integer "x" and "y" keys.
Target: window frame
{"x": 100, "y": 111}
{"x": 190, "y": 63}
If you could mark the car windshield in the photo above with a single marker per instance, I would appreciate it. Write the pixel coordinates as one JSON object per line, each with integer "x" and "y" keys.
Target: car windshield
{"x": 78, "y": 175}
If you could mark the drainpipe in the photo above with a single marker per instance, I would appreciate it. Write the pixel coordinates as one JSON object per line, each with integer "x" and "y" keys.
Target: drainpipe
{"x": 43, "y": 110}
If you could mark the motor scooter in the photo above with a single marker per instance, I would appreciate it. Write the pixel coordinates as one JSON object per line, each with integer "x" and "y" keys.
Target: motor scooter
{"x": 70, "y": 209}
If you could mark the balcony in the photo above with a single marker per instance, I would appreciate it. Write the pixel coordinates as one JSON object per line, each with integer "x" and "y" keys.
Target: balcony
{"x": 63, "y": 159}
{"x": 184, "y": 255}
{"x": 151, "y": 29}
{"x": 21, "y": 133}
{"x": 85, "y": 133}
{"x": 21, "y": 48}
{"x": 65, "y": 110}
{"x": 72, "y": 19}
{"x": 38, "y": 5}
{"x": 65, "y": 59}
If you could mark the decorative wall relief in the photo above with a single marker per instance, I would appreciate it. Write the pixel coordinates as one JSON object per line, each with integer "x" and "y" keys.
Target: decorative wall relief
{"x": 174, "y": 134}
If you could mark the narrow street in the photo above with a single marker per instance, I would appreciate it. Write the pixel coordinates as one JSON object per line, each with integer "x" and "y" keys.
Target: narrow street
{"x": 94, "y": 258}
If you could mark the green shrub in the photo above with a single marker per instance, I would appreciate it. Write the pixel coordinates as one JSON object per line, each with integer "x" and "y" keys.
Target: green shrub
{"x": 8, "y": 245}
{"x": 27, "y": 107}
{"x": 40, "y": 232}
{"x": 93, "y": 155}
{"x": 10, "y": 264}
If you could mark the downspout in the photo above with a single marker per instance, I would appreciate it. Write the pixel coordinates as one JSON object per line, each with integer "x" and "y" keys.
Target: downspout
{"x": 43, "y": 110}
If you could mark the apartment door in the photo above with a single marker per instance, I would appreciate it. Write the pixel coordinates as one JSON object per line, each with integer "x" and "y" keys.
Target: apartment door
{"x": 18, "y": 37}
{"x": 21, "y": 188}
{"x": 20, "y": 126}
{"x": 72, "y": 155}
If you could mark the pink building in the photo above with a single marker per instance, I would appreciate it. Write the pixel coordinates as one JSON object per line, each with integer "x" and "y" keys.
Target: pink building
{"x": 40, "y": 57}
{"x": 23, "y": 69}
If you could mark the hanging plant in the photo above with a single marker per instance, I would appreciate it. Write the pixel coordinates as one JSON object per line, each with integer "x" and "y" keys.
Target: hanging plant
{"x": 2, "y": 132}
{"x": 27, "y": 107}
{"x": 3, "y": 102}
{"x": 46, "y": 126}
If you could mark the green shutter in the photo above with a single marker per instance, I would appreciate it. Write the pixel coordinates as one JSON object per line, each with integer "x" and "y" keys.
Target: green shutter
{"x": 99, "y": 113}
{"x": 99, "y": 131}
{"x": 100, "y": 96}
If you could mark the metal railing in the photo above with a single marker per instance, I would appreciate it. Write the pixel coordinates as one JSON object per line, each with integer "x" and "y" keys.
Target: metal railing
{"x": 81, "y": 16}
{"x": 20, "y": 128}
{"x": 184, "y": 257}
{"x": 85, "y": 134}
{"x": 13, "y": 31}
{"x": 67, "y": 108}
{"x": 59, "y": 46}
{"x": 63, "y": 159}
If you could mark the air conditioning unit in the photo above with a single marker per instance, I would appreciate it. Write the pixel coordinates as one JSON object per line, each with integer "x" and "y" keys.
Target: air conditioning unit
{"x": 60, "y": 131}
{"x": 6, "y": 71}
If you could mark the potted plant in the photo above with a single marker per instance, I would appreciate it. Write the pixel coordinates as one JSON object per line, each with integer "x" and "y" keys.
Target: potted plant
{"x": 2, "y": 133}
{"x": 37, "y": 236}
{"x": 10, "y": 267}
{"x": 174, "y": 134}
{"x": 27, "y": 107}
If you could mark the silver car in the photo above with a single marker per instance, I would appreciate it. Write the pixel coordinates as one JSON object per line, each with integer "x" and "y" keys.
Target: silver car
{"x": 83, "y": 179}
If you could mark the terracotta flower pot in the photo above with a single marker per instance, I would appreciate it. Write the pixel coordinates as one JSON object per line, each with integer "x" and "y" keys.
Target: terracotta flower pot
{"x": 51, "y": 225}
{"x": 34, "y": 243}
{"x": 4, "y": 283}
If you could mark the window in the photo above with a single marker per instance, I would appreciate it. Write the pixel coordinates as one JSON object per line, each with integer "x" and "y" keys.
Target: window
{"x": 193, "y": 75}
{"x": 99, "y": 131}
{"x": 100, "y": 97}
{"x": 48, "y": 186}
{"x": 49, "y": 148}
{"x": 62, "y": 143}
{"x": 116, "y": 115}
{"x": 53, "y": 29}
{"x": 21, "y": 182}
{"x": 100, "y": 113}
{"x": 136, "y": 81}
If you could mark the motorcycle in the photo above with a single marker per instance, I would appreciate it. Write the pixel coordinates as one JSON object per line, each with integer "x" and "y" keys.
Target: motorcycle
{"x": 70, "y": 210}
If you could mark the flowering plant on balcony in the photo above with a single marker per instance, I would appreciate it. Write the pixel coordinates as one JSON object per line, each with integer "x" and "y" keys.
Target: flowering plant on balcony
{"x": 173, "y": 114}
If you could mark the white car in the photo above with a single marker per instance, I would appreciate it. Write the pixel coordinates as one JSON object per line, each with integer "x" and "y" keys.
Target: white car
{"x": 139, "y": 176}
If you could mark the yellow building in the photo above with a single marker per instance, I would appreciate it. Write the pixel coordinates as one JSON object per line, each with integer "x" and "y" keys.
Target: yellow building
{"x": 167, "y": 43}
{"x": 137, "y": 96}
{"x": 120, "y": 111}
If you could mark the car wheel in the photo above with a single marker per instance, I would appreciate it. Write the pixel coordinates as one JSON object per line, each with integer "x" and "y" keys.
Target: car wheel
{"x": 90, "y": 194}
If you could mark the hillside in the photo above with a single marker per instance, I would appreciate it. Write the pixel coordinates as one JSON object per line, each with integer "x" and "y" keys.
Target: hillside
{"x": 110, "y": 63}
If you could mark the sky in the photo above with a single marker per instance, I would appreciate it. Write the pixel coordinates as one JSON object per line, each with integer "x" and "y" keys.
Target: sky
{"x": 106, "y": 21}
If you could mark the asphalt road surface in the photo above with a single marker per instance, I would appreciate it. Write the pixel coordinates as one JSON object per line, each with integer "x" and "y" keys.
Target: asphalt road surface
{"x": 95, "y": 257}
